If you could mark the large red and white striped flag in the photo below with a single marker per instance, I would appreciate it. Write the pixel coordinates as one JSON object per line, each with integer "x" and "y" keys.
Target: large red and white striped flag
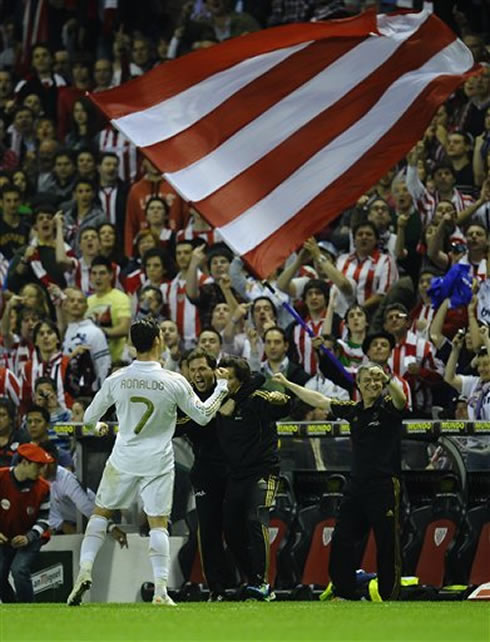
{"x": 273, "y": 134}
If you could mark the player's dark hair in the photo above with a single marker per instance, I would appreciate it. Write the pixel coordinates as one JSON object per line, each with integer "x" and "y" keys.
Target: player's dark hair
{"x": 239, "y": 365}
{"x": 199, "y": 353}
{"x": 143, "y": 334}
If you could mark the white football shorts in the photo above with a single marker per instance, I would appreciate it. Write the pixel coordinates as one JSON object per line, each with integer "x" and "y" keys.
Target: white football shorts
{"x": 118, "y": 490}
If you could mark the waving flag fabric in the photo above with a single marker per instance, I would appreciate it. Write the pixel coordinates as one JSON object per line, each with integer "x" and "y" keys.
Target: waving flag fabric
{"x": 273, "y": 134}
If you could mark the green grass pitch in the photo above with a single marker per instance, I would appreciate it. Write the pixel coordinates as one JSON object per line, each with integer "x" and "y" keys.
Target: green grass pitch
{"x": 233, "y": 622}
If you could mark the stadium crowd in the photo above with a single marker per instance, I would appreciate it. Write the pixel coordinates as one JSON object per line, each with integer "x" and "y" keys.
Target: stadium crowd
{"x": 92, "y": 237}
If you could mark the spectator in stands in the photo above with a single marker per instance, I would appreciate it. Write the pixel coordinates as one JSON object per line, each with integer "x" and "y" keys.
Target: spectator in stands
{"x": 23, "y": 527}
{"x": 8, "y": 158}
{"x": 141, "y": 55}
{"x": 86, "y": 164}
{"x": 14, "y": 227}
{"x": 47, "y": 361}
{"x": 206, "y": 295}
{"x": 475, "y": 389}
{"x": 103, "y": 72}
{"x": 82, "y": 124}
{"x": 11, "y": 436}
{"x": 109, "y": 308}
{"x": 152, "y": 184}
{"x": 173, "y": 345}
{"x": 41, "y": 255}
{"x": 46, "y": 154}
{"x": 156, "y": 213}
{"x": 459, "y": 151}
{"x": 150, "y": 303}
{"x": 83, "y": 336}
{"x": 37, "y": 421}
{"x": 315, "y": 298}
{"x": 84, "y": 211}
{"x": 379, "y": 214}
{"x": 211, "y": 341}
{"x": 61, "y": 181}
{"x": 184, "y": 313}
{"x": 373, "y": 272}
{"x": 112, "y": 192}
{"x": 21, "y": 346}
{"x": 276, "y": 359}
{"x": 45, "y": 396}
{"x": 22, "y": 134}
{"x": 412, "y": 357}
{"x": 68, "y": 96}
{"x": 109, "y": 245}
{"x": 42, "y": 81}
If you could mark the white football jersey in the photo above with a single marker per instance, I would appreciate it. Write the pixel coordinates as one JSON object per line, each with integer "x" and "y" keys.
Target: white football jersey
{"x": 146, "y": 398}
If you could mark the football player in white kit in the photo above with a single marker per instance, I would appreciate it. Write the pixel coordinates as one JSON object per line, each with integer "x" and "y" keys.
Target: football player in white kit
{"x": 142, "y": 460}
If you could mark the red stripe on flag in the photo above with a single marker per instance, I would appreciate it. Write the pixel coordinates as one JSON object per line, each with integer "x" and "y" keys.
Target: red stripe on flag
{"x": 348, "y": 187}
{"x": 171, "y": 78}
{"x": 272, "y": 169}
{"x": 246, "y": 105}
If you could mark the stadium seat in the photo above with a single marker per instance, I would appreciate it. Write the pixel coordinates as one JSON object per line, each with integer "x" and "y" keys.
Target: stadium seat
{"x": 469, "y": 561}
{"x": 281, "y": 536}
{"x": 434, "y": 529}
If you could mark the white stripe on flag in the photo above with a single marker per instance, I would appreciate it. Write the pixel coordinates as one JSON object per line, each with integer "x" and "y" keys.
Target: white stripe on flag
{"x": 170, "y": 117}
{"x": 278, "y": 123}
{"x": 282, "y": 204}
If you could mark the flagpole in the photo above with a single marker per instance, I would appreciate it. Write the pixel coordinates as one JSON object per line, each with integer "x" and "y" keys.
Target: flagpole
{"x": 328, "y": 353}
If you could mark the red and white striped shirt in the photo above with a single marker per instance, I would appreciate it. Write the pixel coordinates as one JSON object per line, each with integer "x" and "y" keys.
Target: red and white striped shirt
{"x": 20, "y": 353}
{"x": 184, "y": 313}
{"x": 423, "y": 312}
{"x": 414, "y": 350}
{"x": 9, "y": 385}
{"x": 80, "y": 277}
{"x": 107, "y": 198}
{"x": 111, "y": 140}
{"x": 38, "y": 267}
{"x": 56, "y": 368}
{"x": 374, "y": 274}
{"x": 304, "y": 346}
{"x": 426, "y": 202}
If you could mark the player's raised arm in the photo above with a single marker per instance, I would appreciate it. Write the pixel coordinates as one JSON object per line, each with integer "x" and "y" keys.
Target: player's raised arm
{"x": 201, "y": 411}
{"x": 311, "y": 397}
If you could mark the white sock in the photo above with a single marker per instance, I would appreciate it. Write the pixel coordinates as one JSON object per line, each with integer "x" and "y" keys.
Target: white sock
{"x": 159, "y": 553}
{"x": 93, "y": 539}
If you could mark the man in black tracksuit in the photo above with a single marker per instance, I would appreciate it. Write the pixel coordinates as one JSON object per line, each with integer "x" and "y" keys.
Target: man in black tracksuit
{"x": 248, "y": 437}
{"x": 372, "y": 498}
{"x": 210, "y": 473}
{"x": 209, "y": 476}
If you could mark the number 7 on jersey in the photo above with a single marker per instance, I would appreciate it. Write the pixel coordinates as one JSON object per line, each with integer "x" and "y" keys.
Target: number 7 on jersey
{"x": 146, "y": 415}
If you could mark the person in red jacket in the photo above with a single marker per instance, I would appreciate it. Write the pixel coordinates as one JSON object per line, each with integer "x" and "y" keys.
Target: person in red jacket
{"x": 24, "y": 514}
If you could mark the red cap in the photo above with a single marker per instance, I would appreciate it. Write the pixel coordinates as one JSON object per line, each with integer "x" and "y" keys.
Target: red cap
{"x": 34, "y": 453}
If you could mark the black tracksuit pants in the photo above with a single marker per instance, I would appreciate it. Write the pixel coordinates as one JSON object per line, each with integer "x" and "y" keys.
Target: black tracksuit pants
{"x": 368, "y": 504}
{"x": 209, "y": 494}
{"x": 246, "y": 521}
